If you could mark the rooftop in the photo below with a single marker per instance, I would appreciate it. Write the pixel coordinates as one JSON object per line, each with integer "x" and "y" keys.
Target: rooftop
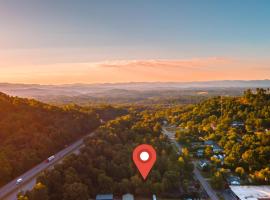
{"x": 104, "y": 197}
{"x": 127, "y": 197}
{"x": 233, "y": 180}
{"x": 251, "y": 192}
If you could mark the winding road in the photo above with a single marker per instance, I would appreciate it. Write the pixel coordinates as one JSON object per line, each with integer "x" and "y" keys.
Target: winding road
{"x": 211, "y": 193}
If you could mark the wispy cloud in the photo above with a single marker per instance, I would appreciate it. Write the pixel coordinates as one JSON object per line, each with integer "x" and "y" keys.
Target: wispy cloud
{"x": 185, "y": 63}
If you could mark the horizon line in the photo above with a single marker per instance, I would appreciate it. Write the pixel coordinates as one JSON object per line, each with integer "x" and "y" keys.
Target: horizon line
{"x": 135, "y": 82}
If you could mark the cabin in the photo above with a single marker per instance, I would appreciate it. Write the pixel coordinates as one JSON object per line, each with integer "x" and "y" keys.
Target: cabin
{"x": 104, "y": 197}
{"x": 203, "y": 164}
{"x": 209, "y": 142}
{"x": 200, "y": 153}
{"x": 237, "y": 124}
{"x": 216, "y": 148}
{"x": 128, "y": 196}
{"x": 233, "y": 180}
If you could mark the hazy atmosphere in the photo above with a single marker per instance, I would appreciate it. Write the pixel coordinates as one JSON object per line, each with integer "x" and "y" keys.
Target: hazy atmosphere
{"x": 56, "y": 42}
{"x": 134, "y": 99}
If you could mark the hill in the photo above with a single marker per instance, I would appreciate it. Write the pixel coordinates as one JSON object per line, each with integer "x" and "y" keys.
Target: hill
{"x": 138, "y": 93}
{"x": 30, "y": 131}
{"x": 239, "y": 125}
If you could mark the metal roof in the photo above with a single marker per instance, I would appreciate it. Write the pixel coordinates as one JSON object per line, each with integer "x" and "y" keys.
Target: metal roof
{"x": 104, "y": 197}
{"x": 251, "y": 192}
{"x": 128, "y": 197}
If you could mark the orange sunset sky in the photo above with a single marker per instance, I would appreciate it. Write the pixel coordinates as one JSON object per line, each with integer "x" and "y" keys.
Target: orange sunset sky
{"x": 58, "y": 42}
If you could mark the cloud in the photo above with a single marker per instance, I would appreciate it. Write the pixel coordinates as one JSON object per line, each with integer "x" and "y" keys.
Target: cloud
{"x": 185, "y": 63}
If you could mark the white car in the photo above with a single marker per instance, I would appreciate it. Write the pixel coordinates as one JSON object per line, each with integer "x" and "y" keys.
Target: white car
{"x": 19, "y": 181}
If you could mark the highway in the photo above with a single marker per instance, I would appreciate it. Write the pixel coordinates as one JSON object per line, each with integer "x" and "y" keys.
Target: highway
{"x": 10, "y": 190}
{"x": 211, "y": 193}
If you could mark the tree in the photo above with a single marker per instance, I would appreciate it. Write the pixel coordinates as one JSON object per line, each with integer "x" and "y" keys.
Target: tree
{"x": 240, "y": 171}
{"x": 75, "y": 191}
{"x": 208, "y": 151}
{"x": 105, "y": 183}
{"x": 217, "y": 181}
{"x": 22, "y": 197}
{"x": 181, "y": 162}
{"x": 40, "y": 192}
{"x": 185, "y": 154}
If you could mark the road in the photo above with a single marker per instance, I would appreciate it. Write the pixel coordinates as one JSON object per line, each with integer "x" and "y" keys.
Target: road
{"x": 211, "y": 193}
{"x": 10, "y": 190}
{"x": 207, "y": 187}
{"x": 171, "y": 136}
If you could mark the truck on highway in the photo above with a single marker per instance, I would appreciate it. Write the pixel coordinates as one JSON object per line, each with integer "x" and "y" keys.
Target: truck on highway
{"x": 50, "y": 158}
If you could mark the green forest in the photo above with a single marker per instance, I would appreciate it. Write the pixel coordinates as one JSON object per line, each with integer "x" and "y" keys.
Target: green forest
{"x": 31, "y": 131}
{"x": 240, "y": 125}
{"x": 105, "y": 165}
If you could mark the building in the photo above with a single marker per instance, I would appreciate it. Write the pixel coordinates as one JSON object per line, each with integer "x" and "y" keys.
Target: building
{"x": 237, "y": 124}
{"x": 128, "y": 196}
{"x": 200, "y": 152}
{"x": 233, "y": 180}
{"x": 219, "y": 156}
{"x": 261, "y": 192}
{"x": 203, "y": 164}
{"x": 195, "y": 145}
{"x": 104, "y": 197}
{"x": 209, "y": 142}
{"x": 216, "y": 148}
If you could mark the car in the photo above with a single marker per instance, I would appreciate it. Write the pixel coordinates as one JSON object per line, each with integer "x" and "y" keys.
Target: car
{"x": 19, "y": 181}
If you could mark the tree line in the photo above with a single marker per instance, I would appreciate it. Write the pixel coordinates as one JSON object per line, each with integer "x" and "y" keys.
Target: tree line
{"x": 31, "y": 131}
{"x": 105, "y": 164}
{"x": 240, "y": 125}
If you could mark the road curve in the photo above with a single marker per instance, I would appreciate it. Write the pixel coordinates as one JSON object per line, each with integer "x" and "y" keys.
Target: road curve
{"x": 10, "y": 190}
{"x": 211, "y": 193}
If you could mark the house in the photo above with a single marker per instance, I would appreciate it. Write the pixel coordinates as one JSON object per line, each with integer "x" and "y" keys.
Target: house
{"x": 220, "y": 157}
{"x": 128, "y": 196}
{"x": 203, "y": 164}
{"x": 237, "y": 124}
{"x": 209, "y": 142}
{"x": 104, "y": 197}
{"x": 200, "y": 152}
{"x": 195, "y": 145}
{"x": 233, "y": 180}
{"x": 261, "y": 192}
{"x": 216, "y": 148}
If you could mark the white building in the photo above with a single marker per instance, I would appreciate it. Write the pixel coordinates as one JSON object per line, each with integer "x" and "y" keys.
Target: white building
{"x": 127, "y": 197}
{"x": 261, "y": 192}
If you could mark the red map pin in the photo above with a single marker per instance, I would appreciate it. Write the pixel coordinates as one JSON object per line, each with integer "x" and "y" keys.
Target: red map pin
{"x": 144, "y": 157}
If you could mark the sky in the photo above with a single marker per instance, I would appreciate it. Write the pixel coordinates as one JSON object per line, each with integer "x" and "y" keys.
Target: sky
{"x": 97, "y": 41}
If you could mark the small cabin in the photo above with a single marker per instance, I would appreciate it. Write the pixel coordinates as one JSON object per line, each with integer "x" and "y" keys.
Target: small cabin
{"x": 104, "y": 197}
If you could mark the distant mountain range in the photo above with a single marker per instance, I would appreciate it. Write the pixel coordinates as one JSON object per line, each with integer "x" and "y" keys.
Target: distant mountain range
{"x": 132, "y": 90}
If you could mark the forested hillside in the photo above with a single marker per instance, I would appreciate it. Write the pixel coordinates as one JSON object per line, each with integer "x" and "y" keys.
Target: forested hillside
{"x": 240, "y": 125}
{"x": 30, "y": 131}
{"x": 105, "y": 165}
